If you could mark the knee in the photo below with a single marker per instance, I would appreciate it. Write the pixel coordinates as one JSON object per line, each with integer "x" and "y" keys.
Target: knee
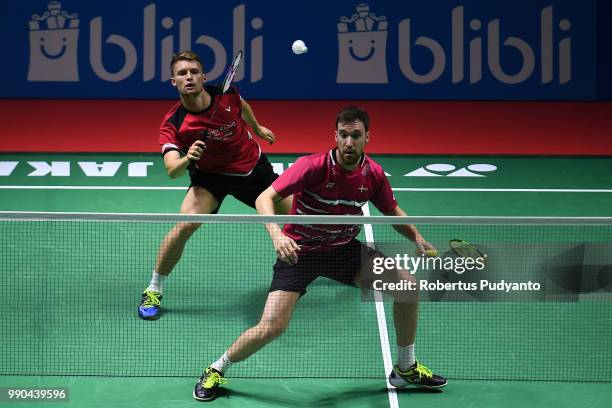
{"x": 268, "y": 330}
{"x": 409, "y": 285}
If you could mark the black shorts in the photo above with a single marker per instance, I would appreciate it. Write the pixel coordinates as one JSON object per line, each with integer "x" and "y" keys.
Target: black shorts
{"x": 341, "y": 263}
{"x": 244, "y": 188}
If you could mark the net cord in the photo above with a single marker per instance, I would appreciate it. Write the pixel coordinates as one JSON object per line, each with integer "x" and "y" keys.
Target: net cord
{"x": 299, "y": 219}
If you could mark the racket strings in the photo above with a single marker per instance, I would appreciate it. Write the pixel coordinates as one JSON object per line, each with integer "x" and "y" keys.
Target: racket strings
{"x": 465, "y": 250}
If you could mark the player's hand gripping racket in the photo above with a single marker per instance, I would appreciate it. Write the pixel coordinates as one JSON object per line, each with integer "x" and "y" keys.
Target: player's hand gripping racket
{"x": 466, "y": 250}
{"x": 227, "y": 82}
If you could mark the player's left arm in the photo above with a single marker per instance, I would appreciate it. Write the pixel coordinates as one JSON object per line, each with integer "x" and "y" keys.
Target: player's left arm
{"x": 249, "y": 117}
{"x": 412, "y": 233}
{"x": 386, "y": 203}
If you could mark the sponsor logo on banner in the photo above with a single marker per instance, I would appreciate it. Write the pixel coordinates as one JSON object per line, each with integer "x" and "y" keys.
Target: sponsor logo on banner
{"x": 449, "y": 170}
{"x": 53, "y": 45}
{"x": 488, "y": 36}
{"x": 362, "y": 56}
{"x": 362, "y": 46}
{"x": 457, "y": 50}
{"x": 54, "y": 37}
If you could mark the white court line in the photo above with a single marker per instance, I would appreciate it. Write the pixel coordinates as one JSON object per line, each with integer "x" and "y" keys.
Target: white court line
{"x": 492, "y": 190}
{"x": 382, "y": 319}
{"x": 509, "y": 190}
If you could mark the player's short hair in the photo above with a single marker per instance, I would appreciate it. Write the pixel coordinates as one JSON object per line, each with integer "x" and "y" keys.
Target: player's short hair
{"x": 185, "y": 56}
{"x": 352, "y": 113}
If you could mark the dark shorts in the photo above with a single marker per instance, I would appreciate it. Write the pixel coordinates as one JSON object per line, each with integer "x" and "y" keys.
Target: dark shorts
{"x": 341, "y": 264}
{"x": 244, "y": 188}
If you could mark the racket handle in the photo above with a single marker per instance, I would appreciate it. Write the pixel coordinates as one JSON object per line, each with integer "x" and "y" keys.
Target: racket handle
{"x": 193, "y": 165}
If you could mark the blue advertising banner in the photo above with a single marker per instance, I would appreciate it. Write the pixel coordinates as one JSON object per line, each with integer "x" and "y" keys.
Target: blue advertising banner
{"x": 604, "y": 47}
{"x": 443, "y": 49}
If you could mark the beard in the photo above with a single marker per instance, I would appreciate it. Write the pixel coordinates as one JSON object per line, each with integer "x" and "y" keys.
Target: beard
{"x": 350, "y": 157}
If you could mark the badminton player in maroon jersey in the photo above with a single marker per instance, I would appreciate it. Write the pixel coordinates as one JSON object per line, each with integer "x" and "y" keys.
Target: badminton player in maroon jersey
{"x": 337, "y": 182}
{"x": 220, "y": 154}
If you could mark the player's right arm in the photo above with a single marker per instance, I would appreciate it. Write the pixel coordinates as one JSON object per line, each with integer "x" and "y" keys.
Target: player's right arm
{"x": 173, "y": 148}
{"x": 285, "y": 247}
{"x": 176, "y": 165}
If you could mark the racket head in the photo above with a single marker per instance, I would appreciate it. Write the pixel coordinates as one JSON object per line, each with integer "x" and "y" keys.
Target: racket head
{"x": 229, "y": 77}
{"x": 465, "y": 250}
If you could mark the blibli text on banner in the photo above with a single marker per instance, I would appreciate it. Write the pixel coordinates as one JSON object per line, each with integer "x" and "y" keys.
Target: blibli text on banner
{"x": 470, "y": 50}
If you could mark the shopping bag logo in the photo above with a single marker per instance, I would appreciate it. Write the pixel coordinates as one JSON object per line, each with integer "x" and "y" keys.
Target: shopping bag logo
{"x": 362, "y": 48}
{"x": 53, "y": 45}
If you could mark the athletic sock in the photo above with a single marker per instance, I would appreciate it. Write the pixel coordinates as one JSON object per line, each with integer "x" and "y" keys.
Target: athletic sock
{"x": 405, "y": 357}
{"x": 157, "y": 282}
{"x": 222, "y": 364}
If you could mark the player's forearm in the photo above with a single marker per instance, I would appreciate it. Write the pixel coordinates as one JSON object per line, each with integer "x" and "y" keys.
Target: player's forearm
{"x": 177, "y": 168}
{"x": 407, "y": 230}
{"x": 249, "y": 116}
{"x": 273, "y": 230}
{"x": 265, "y": 206}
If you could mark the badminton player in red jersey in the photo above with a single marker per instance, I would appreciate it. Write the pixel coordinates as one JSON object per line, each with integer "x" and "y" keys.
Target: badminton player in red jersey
{"x": 219, "y": 152}
{"x": 336, "y": 182}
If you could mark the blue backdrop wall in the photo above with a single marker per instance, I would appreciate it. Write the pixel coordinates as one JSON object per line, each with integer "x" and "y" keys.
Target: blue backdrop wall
{"x": 441, "y": 49}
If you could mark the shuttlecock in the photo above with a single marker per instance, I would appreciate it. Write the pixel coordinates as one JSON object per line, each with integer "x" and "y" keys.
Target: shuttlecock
{"x": 299, "y": 47}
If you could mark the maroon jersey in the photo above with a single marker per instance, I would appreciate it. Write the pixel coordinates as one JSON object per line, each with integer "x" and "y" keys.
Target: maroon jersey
{"x": 322, "y": 187}
{"x": 230, "y": 148}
